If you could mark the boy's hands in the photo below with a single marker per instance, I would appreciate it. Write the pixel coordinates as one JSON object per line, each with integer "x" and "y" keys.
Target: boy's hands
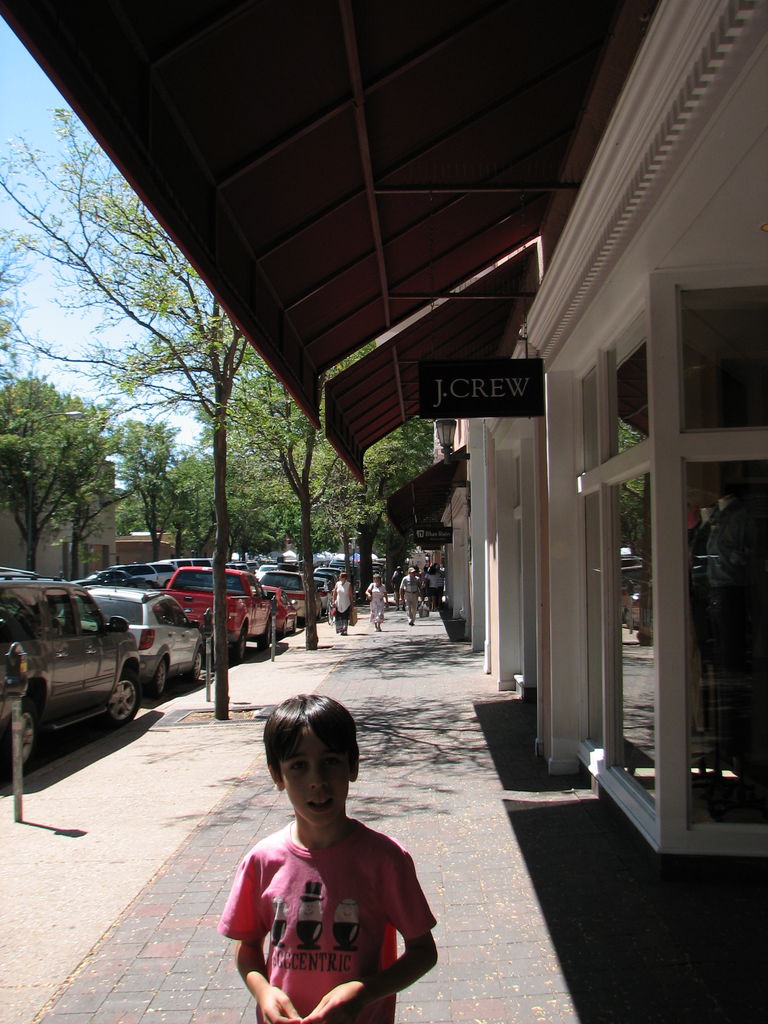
{"x": 276, "y": 1007}
{"x": 342, "y": 1005}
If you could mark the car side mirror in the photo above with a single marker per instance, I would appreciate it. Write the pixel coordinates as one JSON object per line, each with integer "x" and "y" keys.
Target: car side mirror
{"x": 117, "y": 624}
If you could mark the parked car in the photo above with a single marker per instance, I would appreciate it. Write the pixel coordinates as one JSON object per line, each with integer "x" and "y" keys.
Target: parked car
{"x": 154, "y": 574}
{"x": 293, "y": 585}
{"x": 180, "y": 563}
{"x": 266, "y": 567}
{"x": 81, "y": 664}
{"x": 324, "y": 586}
{"x": 286, "y": 616}
{"x": 330, "y": 574}
{"x": 114, "y": 578}
{"x": 249, "y": 611}
{"x": 169, "y": 644}
{"x": 144, "y": 571}
{"x": 164, "y": 571}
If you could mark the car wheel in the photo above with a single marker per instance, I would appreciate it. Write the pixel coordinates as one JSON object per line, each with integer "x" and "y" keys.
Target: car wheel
{"x": 265, "y": 639}
{"x": 197, "y": 665}
{"x": 240, "y": 646}
{"x": 292, "y": 630}
{"x": 124, "y": 700}
{"x": 29, "y": 733}
{"x": 160, "y": 678}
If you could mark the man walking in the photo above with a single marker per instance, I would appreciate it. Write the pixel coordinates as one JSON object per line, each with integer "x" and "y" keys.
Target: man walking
{"x": 409, "y": 594}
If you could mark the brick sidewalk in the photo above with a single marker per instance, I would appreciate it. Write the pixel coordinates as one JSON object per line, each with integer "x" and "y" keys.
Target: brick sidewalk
{"x": 547, "y": 911}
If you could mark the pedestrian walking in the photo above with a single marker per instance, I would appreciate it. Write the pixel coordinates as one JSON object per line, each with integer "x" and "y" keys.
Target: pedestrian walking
{"x": 397, "y": 579}
{"x": 330, "y": 892}
{"x": 410, "y": 589}
{"x": 343, "y": 602}
{"x": 435, "y": 585}
{"x": 377, "y": 595}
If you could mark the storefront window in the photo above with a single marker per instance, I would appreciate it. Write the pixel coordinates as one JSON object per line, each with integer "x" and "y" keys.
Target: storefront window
{"x": 725, "y": 357}
{"x": 728, "y": 640}
{"x": 636, "y": 683}
{"x": 632, "y": 400}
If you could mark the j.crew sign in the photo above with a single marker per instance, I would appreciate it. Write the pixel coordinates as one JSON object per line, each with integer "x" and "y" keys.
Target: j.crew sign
{"x": 486, "y": 387}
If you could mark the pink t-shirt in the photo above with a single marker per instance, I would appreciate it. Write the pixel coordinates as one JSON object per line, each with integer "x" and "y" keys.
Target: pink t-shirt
{"x": 331, "y": 915}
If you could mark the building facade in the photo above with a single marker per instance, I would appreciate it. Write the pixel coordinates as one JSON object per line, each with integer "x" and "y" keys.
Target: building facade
{"x": 619, "y": 544}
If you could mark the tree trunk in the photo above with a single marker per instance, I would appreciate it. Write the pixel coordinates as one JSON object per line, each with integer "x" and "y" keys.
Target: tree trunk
{"x": 310, "y": 625}
{"x": 365, "y": 548}
{"x": 219, "y": 560}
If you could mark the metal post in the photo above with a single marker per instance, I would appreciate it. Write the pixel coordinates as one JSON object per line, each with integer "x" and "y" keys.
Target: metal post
{"x": 208, "y": 634}
{"x": 273, "y": 613}
{"x": 16, "y": 688}
{"x": 17, "y": 736}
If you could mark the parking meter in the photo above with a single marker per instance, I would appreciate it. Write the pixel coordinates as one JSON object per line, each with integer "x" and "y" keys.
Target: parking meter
{"x": 207, "y": 631}
{"x": 16, "y": 671}
{"x": 16, "y": 688}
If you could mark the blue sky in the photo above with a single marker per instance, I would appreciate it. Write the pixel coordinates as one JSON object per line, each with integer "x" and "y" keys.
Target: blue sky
{"x": 27, "y": 97}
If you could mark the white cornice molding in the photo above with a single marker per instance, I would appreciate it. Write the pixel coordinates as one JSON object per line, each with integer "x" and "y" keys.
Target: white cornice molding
{"x": 694, "y": 51}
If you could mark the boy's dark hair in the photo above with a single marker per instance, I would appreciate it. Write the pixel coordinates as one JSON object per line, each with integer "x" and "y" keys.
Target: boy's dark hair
{"x": 328, "y": 720}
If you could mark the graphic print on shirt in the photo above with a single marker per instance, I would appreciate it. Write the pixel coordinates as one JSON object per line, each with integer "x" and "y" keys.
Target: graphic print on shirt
{"x": 279, "y": 922}
{"x": 309, "y": 922}
{"x": 346, "y": 925}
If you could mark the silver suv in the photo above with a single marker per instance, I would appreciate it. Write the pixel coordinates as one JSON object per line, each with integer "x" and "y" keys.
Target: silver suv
{"x": 169, "y": 644}
{"x": 81, "y": 664}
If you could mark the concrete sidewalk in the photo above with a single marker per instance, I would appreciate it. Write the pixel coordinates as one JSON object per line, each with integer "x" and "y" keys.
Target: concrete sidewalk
{"x": 547, "y": 909}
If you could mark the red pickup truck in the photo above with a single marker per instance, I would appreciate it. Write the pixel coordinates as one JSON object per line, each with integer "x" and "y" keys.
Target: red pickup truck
{"x": 249, "y": 610}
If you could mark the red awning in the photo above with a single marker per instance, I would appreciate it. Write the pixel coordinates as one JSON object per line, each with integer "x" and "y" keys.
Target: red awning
{"x": 423, "y": 499}
{"x": 331, "y": 168}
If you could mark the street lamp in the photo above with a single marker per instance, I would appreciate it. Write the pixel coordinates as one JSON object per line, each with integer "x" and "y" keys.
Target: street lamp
{"x": 69, "y": 414}
{"x": 446, "y": 432}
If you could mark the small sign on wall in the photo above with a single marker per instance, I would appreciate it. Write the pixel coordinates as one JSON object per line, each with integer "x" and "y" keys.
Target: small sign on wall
{"x": 433, "y": 535}
{"x": 482, "y": 388}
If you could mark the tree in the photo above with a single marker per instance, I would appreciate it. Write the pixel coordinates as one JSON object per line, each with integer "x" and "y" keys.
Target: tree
{"x": 271, "y": 429}
{"x": 389, "y": 464}
{"x": 147, "y": 458}
{"x": 11, "y": 276}
{"x": 111, "y": 255}
{"x": 53, "y": 450}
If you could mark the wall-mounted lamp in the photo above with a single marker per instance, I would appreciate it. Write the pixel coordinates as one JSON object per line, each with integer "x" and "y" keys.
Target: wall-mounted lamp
{"x": 446, "y": 432}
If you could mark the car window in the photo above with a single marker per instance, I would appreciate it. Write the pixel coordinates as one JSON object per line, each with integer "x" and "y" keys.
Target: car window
{"x": 137, "y": 570}
{"x": 130, "y": 610}
{"x": 19, "y": 620}
{"x": 177, "y": 614}
{"x": 192, "y": 580}
{"x": 165, "y": 613}
{"x": 62, "y": 614}
{"x": 285, "y": 580}
{"x": 88, "y": 612}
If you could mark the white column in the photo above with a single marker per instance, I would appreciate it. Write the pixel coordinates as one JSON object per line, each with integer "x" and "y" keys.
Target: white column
{"x": 565, "y": 546}
{"x": 477, "y": 518}
{"x": 508, "y": 569}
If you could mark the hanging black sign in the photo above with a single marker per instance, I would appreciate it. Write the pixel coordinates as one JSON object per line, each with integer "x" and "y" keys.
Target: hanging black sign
{"x": 434, "y": 535}
{"x": 485, "y": 387}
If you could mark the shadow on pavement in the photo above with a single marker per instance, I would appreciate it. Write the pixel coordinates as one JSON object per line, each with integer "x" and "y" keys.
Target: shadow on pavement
{"x": 633, "y": 946}
{"x": 67, "y": 752}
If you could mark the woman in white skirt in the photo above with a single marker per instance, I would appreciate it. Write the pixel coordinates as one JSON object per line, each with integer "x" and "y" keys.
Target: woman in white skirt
{"x": 377, "y": 595}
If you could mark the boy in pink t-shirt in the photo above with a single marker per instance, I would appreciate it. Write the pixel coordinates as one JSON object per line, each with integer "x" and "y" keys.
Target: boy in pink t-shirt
{"x": 329, "y": 892}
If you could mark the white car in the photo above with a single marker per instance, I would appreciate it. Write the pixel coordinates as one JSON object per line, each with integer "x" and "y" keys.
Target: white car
{"x": 169, "y": 644}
